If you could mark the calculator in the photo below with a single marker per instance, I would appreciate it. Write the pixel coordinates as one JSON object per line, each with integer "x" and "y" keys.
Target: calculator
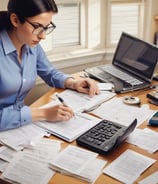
{"x": 105, "y": 136}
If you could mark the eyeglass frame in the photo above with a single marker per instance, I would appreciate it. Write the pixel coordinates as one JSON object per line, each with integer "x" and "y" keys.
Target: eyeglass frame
{"x": 43, "y": 28}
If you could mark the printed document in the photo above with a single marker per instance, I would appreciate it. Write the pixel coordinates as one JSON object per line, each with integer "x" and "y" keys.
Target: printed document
{"x": 78, "y": 162}
{"x": 80, "y": 102}
{"x": 145, "y": 139}
{"x": 128, "y": 166}
{"x": 45, "y": 149}
{"x": 71, "y": 129}
{"x": 26, "y": 168}
{"x": 7, "y": 153}
{"x": 152, "y": 179}
{"x": 21, "y": 137}
{"x": 3, "y": 165}
{"x": 31, "y": 165}
{"x": 115, "y": 110}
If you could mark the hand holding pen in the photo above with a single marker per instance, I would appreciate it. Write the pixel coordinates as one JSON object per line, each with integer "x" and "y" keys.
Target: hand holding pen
{"x": 62, "y": 100}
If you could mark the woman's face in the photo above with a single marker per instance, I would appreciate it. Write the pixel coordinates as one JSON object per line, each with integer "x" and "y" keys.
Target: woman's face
{"x": 23, "y": 32}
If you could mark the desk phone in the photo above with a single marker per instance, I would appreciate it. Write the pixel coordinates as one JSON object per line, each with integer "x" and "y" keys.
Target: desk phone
{"x": 104, "y": 136}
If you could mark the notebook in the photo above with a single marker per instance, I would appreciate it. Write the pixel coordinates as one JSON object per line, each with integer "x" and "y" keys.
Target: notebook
{"x": 132, "y": 67}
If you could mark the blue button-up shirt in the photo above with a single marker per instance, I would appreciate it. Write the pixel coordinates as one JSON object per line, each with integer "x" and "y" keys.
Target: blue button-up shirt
{"x": 16, "y": 80}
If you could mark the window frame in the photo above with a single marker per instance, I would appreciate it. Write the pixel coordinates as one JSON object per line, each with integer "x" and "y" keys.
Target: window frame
{"x": 66, "y": 49}
{"x": 140, "y": 18}
{"x": 89, "y": 46}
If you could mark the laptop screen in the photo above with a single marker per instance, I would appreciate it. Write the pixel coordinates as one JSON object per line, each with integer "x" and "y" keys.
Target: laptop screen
{"x": 136, "y": 56}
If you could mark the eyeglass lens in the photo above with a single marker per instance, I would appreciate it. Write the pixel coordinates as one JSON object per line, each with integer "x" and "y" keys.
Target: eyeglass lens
{"x": 46, "y": 30}
{"x": 38, "y": 29}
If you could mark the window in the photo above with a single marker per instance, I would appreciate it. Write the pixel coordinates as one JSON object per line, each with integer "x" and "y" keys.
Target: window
{"x": 68, "y": 25}
{"x": 67, "y": 32}
{"x": 78, "y": 27}
{"x": 125, "y": 15}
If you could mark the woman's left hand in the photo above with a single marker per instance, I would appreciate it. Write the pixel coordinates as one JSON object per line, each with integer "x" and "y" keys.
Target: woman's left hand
{"x": 83, "y": 85}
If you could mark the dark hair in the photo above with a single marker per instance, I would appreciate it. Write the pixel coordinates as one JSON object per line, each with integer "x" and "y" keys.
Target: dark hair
{"x": 24, "y": 9}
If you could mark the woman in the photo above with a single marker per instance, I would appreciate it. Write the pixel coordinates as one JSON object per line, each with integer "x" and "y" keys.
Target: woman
{"x": 22, "y": 27}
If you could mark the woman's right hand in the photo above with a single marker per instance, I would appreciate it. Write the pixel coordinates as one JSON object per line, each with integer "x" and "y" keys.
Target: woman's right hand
{"x": 52, "y": 114}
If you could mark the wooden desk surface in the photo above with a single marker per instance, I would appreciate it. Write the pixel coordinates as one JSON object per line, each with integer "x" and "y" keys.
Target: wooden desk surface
{"x": 104, "y": 179}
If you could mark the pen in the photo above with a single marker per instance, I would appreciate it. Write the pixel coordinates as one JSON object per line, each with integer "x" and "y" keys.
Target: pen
{"x": 62, "y": 101}
{"x": 152, "y": 87}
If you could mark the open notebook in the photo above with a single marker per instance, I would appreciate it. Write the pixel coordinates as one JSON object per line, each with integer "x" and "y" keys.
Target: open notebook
{"x": 132, "y": 66}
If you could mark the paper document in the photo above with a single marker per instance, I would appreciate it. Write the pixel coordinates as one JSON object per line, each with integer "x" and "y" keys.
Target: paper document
{"x": 78, "y": 162}
{"x": 145, "y": 139}
{"x": 105, "y": 86}
{"x": 45, "y": 149}
{"x": 152, "y": 179}
{"x": 71, "y": 129}
{"x": 32, "y": 164}
{"x": 3, "y": 165}
{"x": 115, "y": 110}
{"x": 27, "y": 169}
{"x": 21, "y": 137}
{"x": 7, "y": 153}
{"x": 128, "y": 166}
{"x": 80, "y": 102}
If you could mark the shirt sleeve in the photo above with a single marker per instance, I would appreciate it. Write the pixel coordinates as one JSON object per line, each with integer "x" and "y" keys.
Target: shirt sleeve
{"x": 51, "y": 75}
{"x": 18, "y": 116}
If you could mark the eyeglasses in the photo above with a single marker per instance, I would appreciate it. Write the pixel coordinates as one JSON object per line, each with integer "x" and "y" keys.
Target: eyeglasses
{"x": 39, "y": 28}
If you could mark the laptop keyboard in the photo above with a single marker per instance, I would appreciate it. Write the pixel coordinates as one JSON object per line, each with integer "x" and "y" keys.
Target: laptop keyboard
{"x": 121, "y": 75}
{"x": 105, "y": 135}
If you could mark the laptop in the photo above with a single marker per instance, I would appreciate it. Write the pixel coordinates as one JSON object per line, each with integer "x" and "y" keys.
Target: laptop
{"x": 132, "y": 67}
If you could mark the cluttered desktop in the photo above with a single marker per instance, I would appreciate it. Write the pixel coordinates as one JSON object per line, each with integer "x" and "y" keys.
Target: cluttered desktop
{"x": 128, "y": 139}
{"x": 112, "y": 138}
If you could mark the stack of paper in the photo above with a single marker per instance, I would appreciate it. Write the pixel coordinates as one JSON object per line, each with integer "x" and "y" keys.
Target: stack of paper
{"x": 32, "y": 165}
{"x": 21, "y": 137}
{"x": 78, "y": 162}
{"x": 70, "y": 130}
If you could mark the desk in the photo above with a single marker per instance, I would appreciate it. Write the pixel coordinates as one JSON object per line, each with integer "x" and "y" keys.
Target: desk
{"x": 104, "y": 179}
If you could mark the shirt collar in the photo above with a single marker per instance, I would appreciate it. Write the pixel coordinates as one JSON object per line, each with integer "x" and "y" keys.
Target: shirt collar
{"x": 8, "y": 45}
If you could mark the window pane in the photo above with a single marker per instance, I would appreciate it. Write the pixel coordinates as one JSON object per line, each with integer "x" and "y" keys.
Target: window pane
{"x": 124, "y": 17}
{"x": 67, "y": 31}
{"x": 68, "y": 26}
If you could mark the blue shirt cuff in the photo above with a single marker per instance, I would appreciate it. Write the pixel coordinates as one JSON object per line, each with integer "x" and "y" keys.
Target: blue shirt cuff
{"x": 26, "y": 117}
